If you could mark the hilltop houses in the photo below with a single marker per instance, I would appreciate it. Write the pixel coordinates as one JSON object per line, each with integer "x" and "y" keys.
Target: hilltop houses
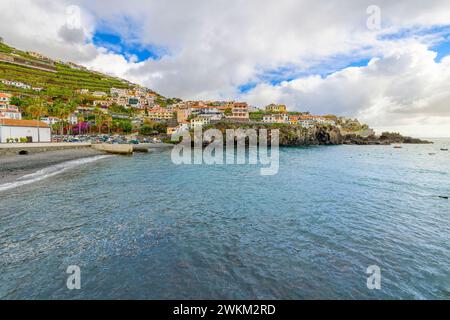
{"x": 137, "y": 105}
{"x": 10, "y": 112}
{"x": 102, "y": 103}
{"x": 279, "y": 114}
{"x": 159, "y": 114}
{"x": 240, "y": 112}
{"x": 199, "y": 122}
{"x": 72, "y": 119}
{"x": 20, "y": 85}
{"x": 276, "y": 108}
{"x": 5, "y": 98}
{"x": 38, "y": 56}
{"x": 276, "y": 118}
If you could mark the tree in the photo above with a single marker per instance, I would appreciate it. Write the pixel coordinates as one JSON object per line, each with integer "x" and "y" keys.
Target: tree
{"x": 126, "y": 126}
{"x": 58, "y": 93}
{"x": 37, "y": 108}
{"x": 101, "y": 119}
{"x": 153, "y": 128}
{"x": 15, "y": 101}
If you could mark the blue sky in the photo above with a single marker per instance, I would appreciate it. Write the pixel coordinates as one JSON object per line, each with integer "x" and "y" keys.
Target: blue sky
{"x": 116, "y": 44}
{"x": 442, "y": 49}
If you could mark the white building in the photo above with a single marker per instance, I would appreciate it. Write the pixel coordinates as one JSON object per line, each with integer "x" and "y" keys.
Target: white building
{"x": 32, "y": 130}
{"x": 50, "y": 120}
{"x": 16, "y": 84}
{"x": 276, "y": 118}
{"x": 72, "y": 119}
{"x": 10, "y": 112}
{"x": 182, "y": 127}
{"x": 119, "y": 92}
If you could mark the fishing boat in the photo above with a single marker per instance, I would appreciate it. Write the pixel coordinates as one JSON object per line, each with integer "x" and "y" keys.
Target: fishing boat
{"x": 398, "y": 147}
{"x": 444, "y": 149}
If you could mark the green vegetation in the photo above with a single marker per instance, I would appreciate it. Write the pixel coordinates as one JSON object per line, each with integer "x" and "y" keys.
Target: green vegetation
{"x": 115, "y": 108}
{"x": 65, "y": 79}
{"x": 352, "y": 125}
{"x": 124, "y": 126}
{"x": 153, "y": 128}
{"x": 164, "y": 102}
{"x": 257, "y": 116}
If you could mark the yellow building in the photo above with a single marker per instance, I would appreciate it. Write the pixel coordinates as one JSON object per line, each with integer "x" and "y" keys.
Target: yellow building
{"x": 276, "y": 108}
{"x": 158, "y": 114}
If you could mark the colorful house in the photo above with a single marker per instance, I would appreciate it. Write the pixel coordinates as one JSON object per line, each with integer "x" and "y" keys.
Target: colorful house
{"x": 276, "y": 108}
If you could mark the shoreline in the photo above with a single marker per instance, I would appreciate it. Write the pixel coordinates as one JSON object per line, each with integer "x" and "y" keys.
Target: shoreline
{"x": 13, "y": 167}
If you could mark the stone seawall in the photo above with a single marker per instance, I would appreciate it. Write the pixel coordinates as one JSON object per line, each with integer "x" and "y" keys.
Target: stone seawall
{"x": 29, "y": 148}
{"x": 123, "y": 149}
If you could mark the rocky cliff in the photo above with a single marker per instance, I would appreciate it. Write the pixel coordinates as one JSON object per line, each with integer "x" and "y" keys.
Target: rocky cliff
{"x": 290, "y": 135}
{"x": 295, "y": 135}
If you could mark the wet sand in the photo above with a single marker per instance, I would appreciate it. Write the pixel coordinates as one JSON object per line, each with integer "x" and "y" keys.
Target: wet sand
{"x": 16, "y": 166}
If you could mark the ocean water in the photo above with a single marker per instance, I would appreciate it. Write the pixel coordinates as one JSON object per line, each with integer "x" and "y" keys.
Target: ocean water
{"x": 143, "y": 228}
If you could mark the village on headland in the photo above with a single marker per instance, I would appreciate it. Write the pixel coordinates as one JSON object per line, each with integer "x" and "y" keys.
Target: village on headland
{"x": 51, "y": 101}
{"x": 136, "y": 112}
{"x": 140, "y": 115}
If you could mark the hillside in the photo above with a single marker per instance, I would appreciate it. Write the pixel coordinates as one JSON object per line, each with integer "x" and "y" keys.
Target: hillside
{"x": 40, "y": 72}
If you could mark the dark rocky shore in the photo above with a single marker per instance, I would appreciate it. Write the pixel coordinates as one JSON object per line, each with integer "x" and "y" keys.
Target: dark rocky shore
{"x": 386, "y": 138}
{"x": 15, "y": 166}
{"x": 296, "y": 136}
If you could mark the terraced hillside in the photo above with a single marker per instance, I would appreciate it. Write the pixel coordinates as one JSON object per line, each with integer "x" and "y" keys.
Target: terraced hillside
{"x": 65, "y": 76}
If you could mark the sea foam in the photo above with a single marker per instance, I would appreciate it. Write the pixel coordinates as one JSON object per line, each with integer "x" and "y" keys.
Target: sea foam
{"x": 49, "y": 172}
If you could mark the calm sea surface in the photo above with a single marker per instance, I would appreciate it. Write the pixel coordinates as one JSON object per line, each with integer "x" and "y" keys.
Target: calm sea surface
{"x": 141, "y": 227}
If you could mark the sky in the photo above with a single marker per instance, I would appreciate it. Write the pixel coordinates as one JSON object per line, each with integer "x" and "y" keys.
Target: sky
{"x": 386, "y": 63}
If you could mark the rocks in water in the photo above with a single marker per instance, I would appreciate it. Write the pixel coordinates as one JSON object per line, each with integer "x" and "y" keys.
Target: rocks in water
{"x": 398, "y": 138}
{"x": 296, "y": 136}
{"x": 386, "y": 138}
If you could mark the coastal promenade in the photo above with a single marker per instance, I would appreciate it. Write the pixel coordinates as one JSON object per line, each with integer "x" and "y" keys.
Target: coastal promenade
{"x": 28, "y": 148}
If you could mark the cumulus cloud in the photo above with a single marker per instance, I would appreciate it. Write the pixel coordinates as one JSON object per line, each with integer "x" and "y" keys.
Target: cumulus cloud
{"x": 212, "y": 48}
{"x": 404, "y": 88}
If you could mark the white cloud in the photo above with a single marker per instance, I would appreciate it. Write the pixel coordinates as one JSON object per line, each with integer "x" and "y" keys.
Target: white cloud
{"x": 405, "y": 89}
{"x": 216, "y": 46}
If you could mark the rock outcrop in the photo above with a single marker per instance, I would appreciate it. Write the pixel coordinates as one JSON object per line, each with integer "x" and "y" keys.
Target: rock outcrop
{"x": 386, "y": 138}
{"x": 296, "y": 136}
{"x": 291, "y": 135}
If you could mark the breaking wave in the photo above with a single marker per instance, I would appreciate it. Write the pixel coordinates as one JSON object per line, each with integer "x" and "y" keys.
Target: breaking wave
{"x": 49, "y": 172}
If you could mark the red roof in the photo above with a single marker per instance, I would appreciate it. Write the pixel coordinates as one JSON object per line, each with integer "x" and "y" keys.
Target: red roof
{"x": 5, "y": 95}
{"x": 23, "y": 123}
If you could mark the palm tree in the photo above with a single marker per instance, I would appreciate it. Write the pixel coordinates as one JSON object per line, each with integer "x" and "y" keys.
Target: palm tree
{"x": 37, "y": 109}
{"x": 100, "y": 119}
{"x": 71, "y": 108}
{"x": 59, "y": 110}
